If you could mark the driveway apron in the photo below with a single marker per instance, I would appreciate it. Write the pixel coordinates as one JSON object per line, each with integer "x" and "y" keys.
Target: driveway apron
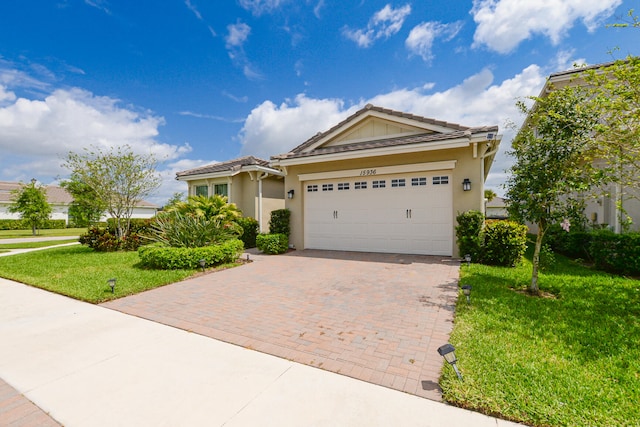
{"x": 375, "y": 317}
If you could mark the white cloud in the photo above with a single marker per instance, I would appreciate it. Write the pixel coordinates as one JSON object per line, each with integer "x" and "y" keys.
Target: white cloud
{"x": 422, "y": 36}
{"x": 258, "y": 7}
{"x": 238, "y": 35}
{"x": 318, "y": 7}
{"x": 36, "y": 134}
{"x": 383, "y": 24}
{"x": 503, "y": 24}
{"x": 235, "y": 40}
{"x": 6, "y": 95}
{"x": 271, "y": 129}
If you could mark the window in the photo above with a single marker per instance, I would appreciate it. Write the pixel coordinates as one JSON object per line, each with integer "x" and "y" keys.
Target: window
{"x": 343, "y": 186}
{"x": 379, "y": 184}
{"x": 221, "y": 190}
{"x": 202, "y": 190}
{"x": 327, "y": 187}
{"x": 312, "y": 188}
{"x": 437, "y": 180}
{"x": 418, "y": 181}
{"x": 360, "y": 185}
{"x": 398, "y": 182}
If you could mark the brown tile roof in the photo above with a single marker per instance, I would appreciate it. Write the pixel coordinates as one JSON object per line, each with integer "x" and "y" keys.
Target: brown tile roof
{"x": 459, "y": 131}
{"x": 55, "y": 195}
{"x": 230, "y": 165}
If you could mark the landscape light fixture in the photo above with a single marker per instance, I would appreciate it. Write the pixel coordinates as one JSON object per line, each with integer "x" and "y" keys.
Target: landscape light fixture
{"x": 448, "y": 352}
{"x": 466, "y": 290}
{"x": 466, "y": 184}
{"x": 467, "y": 259}
{"x": 290, "y": 194}
{"x": 203, "y": 264}
{"x": 112, "y": 283}
{"x": 248, "y": 257}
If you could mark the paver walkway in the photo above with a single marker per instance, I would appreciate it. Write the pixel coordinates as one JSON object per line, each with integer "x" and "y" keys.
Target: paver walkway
{"x": 18, "y": 411}
{"x": 375, "y": 317}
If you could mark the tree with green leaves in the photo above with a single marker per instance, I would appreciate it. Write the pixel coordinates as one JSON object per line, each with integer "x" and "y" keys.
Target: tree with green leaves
{"x": 30, "y": 201}
{"x": 553, "y": 154}
{"x": 489, "y": 194}
{"x": 177, "y": 197}
{"x": 616, "y": 94}
{"x": 213, "y": 207}
{"x": 87, "y": 208}
{"x": 120, "y": 178}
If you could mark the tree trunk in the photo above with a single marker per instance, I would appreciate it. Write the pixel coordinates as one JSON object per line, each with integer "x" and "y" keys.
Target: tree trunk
{"x": 33, "y": 228}
{"x": 533, "y": 288}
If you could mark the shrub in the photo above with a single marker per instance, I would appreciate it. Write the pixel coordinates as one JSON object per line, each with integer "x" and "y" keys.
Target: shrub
{"x": 21, "y": 224}
{"x": 190, "y": 231}
{"x": 100, "y": 239}
{"x": 168, "y": 258}
{"x": 250, "y": 230}
{"x": 279, "y": 222}
{"x": 273, "y": 243}
{"x": 469, "y": 233}
{"x": 616, "y": 253}
{"x": 505, "y": 243}
{"x": 547, "y": 257}
{"x": 574, "y": 244}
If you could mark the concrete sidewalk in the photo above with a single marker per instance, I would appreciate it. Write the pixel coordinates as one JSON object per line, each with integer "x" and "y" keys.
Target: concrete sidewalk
{"x": 88, "y": 365}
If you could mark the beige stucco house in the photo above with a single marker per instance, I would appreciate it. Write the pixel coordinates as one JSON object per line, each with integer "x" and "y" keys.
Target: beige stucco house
{"x": 249, "y": 182}
{"x": 613, "y": 205}
{"x": 386, "y": 181}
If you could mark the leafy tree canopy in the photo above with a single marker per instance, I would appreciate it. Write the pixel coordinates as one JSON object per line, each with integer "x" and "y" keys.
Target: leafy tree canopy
{"x": 30, "y": 201}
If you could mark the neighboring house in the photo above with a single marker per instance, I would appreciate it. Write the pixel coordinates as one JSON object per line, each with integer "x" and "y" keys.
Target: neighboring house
{"x": 249, "y": 182}
{"x": 496, "y": 208}
{"x": 386, "y": 181}
{"x": 60, "y": 199}
{"x": 606, "y": 210}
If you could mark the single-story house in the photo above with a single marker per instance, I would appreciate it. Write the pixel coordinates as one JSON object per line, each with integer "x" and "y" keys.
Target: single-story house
{"x": 251, "y": 183}
{"x": 60, "y": 199}
{"x": 496, "y": 208}
{"x": 615, "y": 202}
{"x": 386, "y": 181}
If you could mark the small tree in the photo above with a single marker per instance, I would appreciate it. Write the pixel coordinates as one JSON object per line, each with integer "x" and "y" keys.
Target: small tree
{"x": 30, "y": 201}
{"x": 87, "y": 208}
{"x": 489, "y": 194}
{"x": 119, "y": 177}
{"x": 553, "y": 162}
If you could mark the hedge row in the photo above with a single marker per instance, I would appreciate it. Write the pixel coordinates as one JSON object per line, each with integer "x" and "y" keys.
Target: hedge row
{"x": 273, "y": 244}
{"x": 615, "y": 253}
{"x": 21, "y": 224}
{"x": 168, "y": 258}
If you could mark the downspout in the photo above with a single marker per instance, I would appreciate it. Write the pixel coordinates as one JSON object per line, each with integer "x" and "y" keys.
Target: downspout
{"x": 486, "y": 154}
{"x": 260, "y": 177}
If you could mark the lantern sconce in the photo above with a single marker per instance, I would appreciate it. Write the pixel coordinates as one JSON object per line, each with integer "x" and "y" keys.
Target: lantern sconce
{"x": 290, "y": 194}
{"x": 466, "y": 184}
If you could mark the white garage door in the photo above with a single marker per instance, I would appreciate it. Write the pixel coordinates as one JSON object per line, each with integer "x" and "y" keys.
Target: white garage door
{"x": 403, "y": 213}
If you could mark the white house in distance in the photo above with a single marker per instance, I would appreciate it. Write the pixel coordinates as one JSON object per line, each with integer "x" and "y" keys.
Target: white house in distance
{"x": 60, "y": 199}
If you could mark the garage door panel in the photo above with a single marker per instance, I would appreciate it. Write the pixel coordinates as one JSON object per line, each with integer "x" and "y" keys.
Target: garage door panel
{"x": 401, "y": 219}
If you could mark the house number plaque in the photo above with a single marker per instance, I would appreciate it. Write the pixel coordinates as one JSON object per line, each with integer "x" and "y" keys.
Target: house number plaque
{"x": 367, "y": 172}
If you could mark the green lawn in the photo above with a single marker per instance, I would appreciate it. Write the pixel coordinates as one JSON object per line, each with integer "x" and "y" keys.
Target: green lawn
{"x": 30, "y": 245}
{"x": 81, "y": 273}
{"x": 571, "y": 358}
{"x": 11, "y": 234}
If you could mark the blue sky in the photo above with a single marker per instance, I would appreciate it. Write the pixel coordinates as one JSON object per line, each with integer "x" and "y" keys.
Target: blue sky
{"x": 196, "y": 82}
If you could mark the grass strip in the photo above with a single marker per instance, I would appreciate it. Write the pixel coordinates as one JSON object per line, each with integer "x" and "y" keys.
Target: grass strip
{"x": 570, "y": 358}
{"x": 80, "y": 272}
{"x": 11, "y": 234}
{"x": 33, "y": 245}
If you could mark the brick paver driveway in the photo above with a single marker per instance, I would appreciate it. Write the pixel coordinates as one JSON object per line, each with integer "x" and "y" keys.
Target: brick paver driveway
{"x": 375, "y": 317}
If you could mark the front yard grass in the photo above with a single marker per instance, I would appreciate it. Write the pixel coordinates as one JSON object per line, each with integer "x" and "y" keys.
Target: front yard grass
{"x": 570, "y": 358}
{"x": 32, "y": 245}
{"x": 80, "y": 272}
{"x": 10, "y": 234}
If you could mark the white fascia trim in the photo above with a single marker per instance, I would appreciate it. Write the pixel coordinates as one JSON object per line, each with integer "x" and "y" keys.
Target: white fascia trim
{"x": 385, "y": 151}
{"x": 225, "y": 174}
{"x": 380, "y": 171}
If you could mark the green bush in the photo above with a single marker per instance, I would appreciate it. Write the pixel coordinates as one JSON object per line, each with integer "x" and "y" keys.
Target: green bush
{"x": 273, "y": 243}
{"x": 505, "y": 243}
{"x": 616, "y": 253}
{"x": 574, "y": 244}
{"x": 469, "y": 233}
{"x": 168, "y": 258}
{"x": 190, "y": 231}
{"x": 20, "y": 224}
{"x": 250, "y": 230}
{"x": 105, "y": 240}
{"x": 279, "y": 222}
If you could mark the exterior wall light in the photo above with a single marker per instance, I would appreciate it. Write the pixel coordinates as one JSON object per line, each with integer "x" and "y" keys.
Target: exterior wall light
{"x": 448, "y": 352}
{"x": 112, "y": 283}
{"x": 203, "y": 264}
{"x": 290, "y": 194}
{"x": 466, "y": 184}
{"x": 466, "y": 290}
